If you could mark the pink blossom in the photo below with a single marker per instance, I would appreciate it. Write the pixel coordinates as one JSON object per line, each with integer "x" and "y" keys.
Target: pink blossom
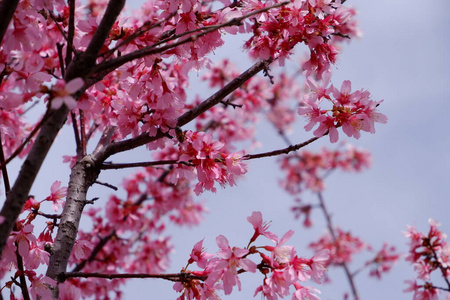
{"x": 281, "y": 253}
{"x": 81, "y": 249}
{"x": 384, "y": 260}
{"x": 68, "y": 291}
{"x": 226, "y": 266}
{"x": 260, "y": 227}
{"x": 305, "y": 292}
{"x": 37, "y": 256}
{"x": 199, "y": 255}
{"x": 321, "y": 90}
{"x": 318, "y": 264}
{"x": 62, "y": 93}
{"x": 25, "y": 239}
{"x": 57, "y": 195}
{"x": 41, "y": 286}
{"x": 421, "y": 292}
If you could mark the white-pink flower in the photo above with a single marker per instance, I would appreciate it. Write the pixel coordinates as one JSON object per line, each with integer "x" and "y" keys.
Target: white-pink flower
{"x": 57, "y": 194}
{"x": 62, "y": 93}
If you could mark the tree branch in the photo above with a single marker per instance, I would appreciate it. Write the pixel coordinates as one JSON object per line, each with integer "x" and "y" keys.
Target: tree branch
{"x": 81, "y": 178}
{"x": 7, "y": 9}
{"x": 83, "y": 175}
{"x": 281, "y": 151}
{"x": 330, "y": 226}
{"x": 71, "y": 32}
{"x": 143, "y": 164}
{"x": 172, "y": 277}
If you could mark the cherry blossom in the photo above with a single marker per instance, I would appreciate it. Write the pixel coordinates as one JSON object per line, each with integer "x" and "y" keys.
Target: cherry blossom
{"x": 121, "y": 81}
{"x": 428, "y": 253}
{"x": 57, "y": 195}
{"x": 62, "y": 93}
{"x": 353, "y": 111}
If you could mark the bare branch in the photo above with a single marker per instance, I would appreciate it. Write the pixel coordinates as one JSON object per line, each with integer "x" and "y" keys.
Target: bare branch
{"x": 22, "y": 279}
{"x": 330, "y": 226}
{"x": 76, "y": 134}
{"x": 143, "y": 164}
{"x": 82, "y": 177}
{"x": 281, "y": 151}
{"x": 71, "y": 32}
{"x": 172, "y": 277}
{"x": 107, "y": 185}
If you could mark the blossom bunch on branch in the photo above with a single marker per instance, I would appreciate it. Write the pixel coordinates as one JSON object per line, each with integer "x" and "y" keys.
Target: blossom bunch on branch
{"x": 428, "y": 253}
{"x": 279, "y": 264}
{"x": 353, "y": 111}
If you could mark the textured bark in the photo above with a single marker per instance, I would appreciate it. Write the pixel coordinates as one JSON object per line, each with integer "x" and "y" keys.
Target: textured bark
{"x": 82, "y": 177}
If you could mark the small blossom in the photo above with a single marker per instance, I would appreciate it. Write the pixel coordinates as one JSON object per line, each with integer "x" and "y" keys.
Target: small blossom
{"x": 62, "y": 93}
{"x": 57, "y": 195}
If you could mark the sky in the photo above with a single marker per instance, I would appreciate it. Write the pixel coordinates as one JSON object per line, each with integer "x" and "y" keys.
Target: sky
{"x": 403, "y": 59}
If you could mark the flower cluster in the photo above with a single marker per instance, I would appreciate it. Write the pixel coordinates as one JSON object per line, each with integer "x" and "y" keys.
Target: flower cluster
{"x": 211, "y": 163}
{"x": 428, "y": 253}
{"x": 343, "y": 246}
{"x": 280, "y": 265}
{"x": 314, "y": 23}
{"x": 305, "y": 170}
{"x": 353, "y": 111}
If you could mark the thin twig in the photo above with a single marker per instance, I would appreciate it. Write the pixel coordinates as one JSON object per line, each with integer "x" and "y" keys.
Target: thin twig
{"x": 54, "y": 217}
{"x": 143, "y": 164}
{"x": 437, "y": 260}
{"x": 76, "y": 134}
{"x": 281, "y": 151}
{"x": 330, "y": 226}
{"x": 22, "y": 279}
{"x": 83, "y": 134}
{"x": 172, "y": 277}
{"x": 59, "y": 48}
{"x": 71, "y": 32}
{"x": 107, "y": 185}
